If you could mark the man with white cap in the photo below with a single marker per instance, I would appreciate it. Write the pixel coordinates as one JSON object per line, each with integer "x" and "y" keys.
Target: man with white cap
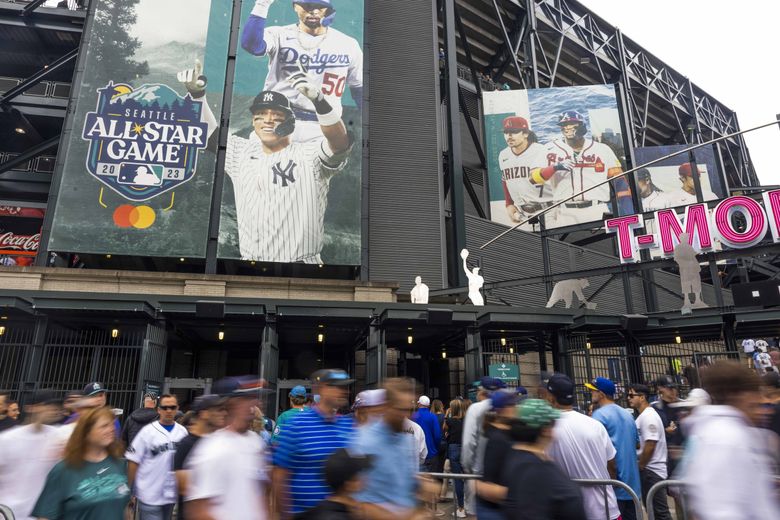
{"x": 430, "y": 427}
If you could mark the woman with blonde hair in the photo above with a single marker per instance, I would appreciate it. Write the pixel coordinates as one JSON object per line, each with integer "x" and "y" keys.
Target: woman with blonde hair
{"x": 453, "y": 434}
{"x": 90, "y": 483}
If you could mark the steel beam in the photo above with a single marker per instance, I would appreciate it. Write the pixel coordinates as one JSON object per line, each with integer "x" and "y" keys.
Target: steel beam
{"x": 32, "y": 153}
{"x": 32, "y": 6}
{"x": 38, "y": 76}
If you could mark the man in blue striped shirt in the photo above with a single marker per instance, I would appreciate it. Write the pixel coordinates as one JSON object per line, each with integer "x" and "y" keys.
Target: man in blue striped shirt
{"x": 307, "y": 441}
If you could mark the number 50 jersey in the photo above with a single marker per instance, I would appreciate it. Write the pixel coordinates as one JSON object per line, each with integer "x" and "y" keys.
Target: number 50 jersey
{"x": 516, "y": 175}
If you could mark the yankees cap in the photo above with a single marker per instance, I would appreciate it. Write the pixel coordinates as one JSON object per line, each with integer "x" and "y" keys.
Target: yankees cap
{"x": 271, "y": 99}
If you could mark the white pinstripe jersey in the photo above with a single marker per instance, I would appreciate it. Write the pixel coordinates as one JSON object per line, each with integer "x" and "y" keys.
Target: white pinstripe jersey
{"x": 280, "y": 198}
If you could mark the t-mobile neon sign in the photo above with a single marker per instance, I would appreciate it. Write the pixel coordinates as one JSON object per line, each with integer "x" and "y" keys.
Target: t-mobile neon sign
{"x": 702, "y": 226}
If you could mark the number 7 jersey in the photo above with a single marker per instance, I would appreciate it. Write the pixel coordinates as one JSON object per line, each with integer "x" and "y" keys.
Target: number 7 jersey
{"x": 516, "y": 175}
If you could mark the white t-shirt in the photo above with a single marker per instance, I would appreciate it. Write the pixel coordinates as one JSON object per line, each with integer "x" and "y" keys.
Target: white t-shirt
{"x": 153, "y": 450}
{"x": 26, "y": 457}
{"x": 228, "y": 469}
{"x": 419, "y": 440}
{"x": 748, "y": 346}
{"x": 581, "y": 448}
{"x": 651, "y": 428}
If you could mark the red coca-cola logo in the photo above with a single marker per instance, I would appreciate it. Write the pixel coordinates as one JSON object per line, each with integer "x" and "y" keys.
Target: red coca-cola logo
{"x": 12, "y": 242}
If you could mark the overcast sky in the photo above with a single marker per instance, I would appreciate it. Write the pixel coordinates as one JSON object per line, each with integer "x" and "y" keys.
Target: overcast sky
{"x": 727, "y": 48}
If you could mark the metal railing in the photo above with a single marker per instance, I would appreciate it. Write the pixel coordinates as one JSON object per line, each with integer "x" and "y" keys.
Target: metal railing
{"x": 6, "y": 513}
{"x": 656, "y": 488}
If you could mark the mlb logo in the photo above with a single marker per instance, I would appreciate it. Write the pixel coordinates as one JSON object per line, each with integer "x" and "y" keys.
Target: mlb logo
{"x": 140, "y": 174}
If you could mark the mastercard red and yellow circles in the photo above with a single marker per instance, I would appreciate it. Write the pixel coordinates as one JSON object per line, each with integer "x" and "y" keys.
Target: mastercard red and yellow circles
{"x": 139, "y": 217}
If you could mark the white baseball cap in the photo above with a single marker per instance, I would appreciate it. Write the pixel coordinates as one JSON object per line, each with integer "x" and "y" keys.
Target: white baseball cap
{"x": 696, "y": 397}
{"x": 424, "y": 400}
{"x": 368, "y": 398}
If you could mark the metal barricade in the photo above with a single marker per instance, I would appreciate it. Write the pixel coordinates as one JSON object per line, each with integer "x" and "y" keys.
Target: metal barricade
{"x": 654, "y": 490}
{"x": 613, "y": 483}
{"x": 452, "y": 476}
{"x": 6, "y": 513}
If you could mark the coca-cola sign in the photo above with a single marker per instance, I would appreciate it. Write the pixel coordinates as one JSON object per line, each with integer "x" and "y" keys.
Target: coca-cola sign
{"x": 20, "y": 233}
{"x": 18, "y": 244}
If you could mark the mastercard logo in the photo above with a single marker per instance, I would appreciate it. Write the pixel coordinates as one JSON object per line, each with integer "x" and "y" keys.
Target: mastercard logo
{"x": 139, "y": 217}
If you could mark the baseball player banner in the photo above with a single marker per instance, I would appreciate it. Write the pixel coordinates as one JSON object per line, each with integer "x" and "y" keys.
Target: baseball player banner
{"x": 670, "y": 183}
{"x": 545, "y": 145}
{"x": 138, "y": 173}
{"x": 294, "y": 159}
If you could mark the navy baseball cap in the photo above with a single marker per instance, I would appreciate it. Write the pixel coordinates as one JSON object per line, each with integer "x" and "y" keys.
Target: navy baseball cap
{"x": 245, "y": 386}
{"x": 562, "y": 388}
{"x": 666, "y": 381}
{"x": 94, "y": 389}
{"x": 332, "y": 377}
{"x": 504, "y": 398}
{"x": 602, "y": 384}
{"x": 491, "y": 383}
{"x": 206, "y": 402}
{"x": 521, "y": 390}
{"x": 298, "y": 391}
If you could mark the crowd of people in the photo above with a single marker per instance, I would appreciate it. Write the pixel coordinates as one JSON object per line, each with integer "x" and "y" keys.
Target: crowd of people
{"x": 387, "y": 456}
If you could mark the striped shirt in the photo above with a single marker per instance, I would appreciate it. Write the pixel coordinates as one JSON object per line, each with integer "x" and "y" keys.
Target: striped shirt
{"x": 303, "y": 446}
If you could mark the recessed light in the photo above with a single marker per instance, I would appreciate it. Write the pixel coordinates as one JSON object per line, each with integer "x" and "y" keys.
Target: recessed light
{"x": 20, "y": 130}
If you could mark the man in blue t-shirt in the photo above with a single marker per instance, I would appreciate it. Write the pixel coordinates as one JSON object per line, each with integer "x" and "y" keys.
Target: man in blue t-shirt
{"x": 307, "y": 441}
{"x": 430, "y": 426}
{"x": 624, "y": 436}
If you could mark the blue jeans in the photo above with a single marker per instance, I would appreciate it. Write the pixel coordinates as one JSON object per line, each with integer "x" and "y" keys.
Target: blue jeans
{"x": 453, "y": 453}
{"x": 150, "y": 512}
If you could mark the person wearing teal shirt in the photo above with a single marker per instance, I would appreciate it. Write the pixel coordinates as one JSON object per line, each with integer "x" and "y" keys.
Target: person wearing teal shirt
{"x": 91, "y": 482}
{"x": 297, "y": 404}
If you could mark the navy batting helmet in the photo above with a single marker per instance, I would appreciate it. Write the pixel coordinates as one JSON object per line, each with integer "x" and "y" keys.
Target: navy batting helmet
{"x": 573, "y": 117}
{"x": 330, "y": 15}
{"x": 643, "y": 174}
{"x": 276, "y": 101}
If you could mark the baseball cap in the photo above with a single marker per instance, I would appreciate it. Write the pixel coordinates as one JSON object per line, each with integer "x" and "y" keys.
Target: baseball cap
{"x": 424, "y": 400}
{"x": 242, "y": 386}
{"x": 504, "y": 399}
{"x": 643, "y": 174}
{"x": 271, "y": 99}
{"x": 521, "y": 390}
{"x": 666, "y": 381}
{"x": 342, "y": 466}
{"x": 298, "y": 391}
{"x": 696, "y": 397}
{"x": 45, "y": 396}
{"x": 206, "y": 401}
{"x": 491, "y": 383}
{"x": 602, "y": 384}
{"x": 536, "y": 413}
{"x": 515, "y": 124}
{"x": 368, "y": 398}
{"x": 93, "y": 389}
{"x": 332, "y": 377}
{"x": 562, "y": 388}
{"x": 685, "y": 170}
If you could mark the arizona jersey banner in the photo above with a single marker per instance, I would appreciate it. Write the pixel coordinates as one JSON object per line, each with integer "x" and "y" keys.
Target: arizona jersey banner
{"x": 138, "y": 173}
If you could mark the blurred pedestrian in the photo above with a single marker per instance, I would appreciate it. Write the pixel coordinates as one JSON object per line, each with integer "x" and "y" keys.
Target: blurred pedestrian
{"x": 624, "y": 436}
{"x": 308, "y": 440}
{"x": 13, "y": 410}
{"x": 297, "y": 400}
{"x": 430, "y": 427}
{"x": 668, "y": 394}
{"x": 652, "y": 448}
{"x": 5, "y": 421}
{"x": 228, "y": 476}
{"x": 207, "y": 416}
{"x": 537, "y": 488}
{"x": 29, "y": 452}
{"x": 140, "y": 418}
{"x": 492, "y": 489}
{"x": 150, "y": 462}
{"x": 368, "y": 406}
{"x": 391, "y": 484}
{"x": 94, "y": 395}
{"x": 771, "y": 388}
{"x": 345, "y": 475}
{"x": 727, "y": 467}
{"x": 90, "y": 483}
{"x": 437, "y": 409}
{"x": 582, "y": 449}
{"x": 453, "y": 435}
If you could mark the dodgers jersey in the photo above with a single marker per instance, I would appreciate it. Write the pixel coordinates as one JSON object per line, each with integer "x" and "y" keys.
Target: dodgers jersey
{"x": 516, "y": 175}
{"x": 334, "y": 60}
{"x": 280, "y": 198}
{"x": 591, "y": 166}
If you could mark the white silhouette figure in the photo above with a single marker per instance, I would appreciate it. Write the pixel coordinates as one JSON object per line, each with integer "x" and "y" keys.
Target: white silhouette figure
{"x": 475, "y": 281}
{"x": 419, "y": 291}
{"x": 143, "y": 177}
{"x": 690, "y": 274}
{"x": 566, "y": 289}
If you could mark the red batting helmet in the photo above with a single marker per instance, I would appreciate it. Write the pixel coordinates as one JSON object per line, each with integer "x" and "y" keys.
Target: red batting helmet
{"x": 515, "y": 124}
{"x": 685, "y": 170}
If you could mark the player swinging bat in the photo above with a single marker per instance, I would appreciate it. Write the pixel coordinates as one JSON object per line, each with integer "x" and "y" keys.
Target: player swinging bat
{"x": 281, "y": 187}
{"x": 333, "y": 59}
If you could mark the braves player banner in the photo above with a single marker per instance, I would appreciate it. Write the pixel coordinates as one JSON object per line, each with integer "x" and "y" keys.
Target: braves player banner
{"x": 138, "y": 173}
{"x": 20, "y": 234}
{"x": 545, "y": 145}
{"x": 294, "y": 159}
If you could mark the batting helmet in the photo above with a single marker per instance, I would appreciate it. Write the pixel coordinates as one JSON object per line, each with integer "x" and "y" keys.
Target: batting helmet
{"x": 329, "y": 16}
{"x": 573, "y": 117}
{"x": 685, "y": 170}
{"x": 643, "y": 174}
{"x": 276, "y": 101}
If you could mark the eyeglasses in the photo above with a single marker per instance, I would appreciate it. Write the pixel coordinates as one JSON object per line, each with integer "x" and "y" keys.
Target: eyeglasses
{"x": 169, "y": 408}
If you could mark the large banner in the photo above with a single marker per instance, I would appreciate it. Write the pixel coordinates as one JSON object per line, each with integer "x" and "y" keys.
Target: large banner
{"x": 670, "y": 183}
{"x": 138, "y": 169}
{"x": 20, "y": 234}
{"x": 294, "y": 157}
{"x": 545, "y": 145}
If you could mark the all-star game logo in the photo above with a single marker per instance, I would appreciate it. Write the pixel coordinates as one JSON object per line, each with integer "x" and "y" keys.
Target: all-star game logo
{"x": 143, "y": 142}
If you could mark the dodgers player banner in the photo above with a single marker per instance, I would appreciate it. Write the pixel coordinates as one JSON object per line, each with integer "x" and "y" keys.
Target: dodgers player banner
{"x": 545, "y": 145}
{"x": 294, "y": 161}
{"x": 136, "y": 166}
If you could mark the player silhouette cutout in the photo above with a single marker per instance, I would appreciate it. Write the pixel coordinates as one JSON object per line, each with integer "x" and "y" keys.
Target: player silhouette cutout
{"x": 419, "y": 291}
{"x": 143, "y": 177}
{"x": 566, "y": 289}
{"x": 475, "y": 281}
{"x": 690, "y": 274}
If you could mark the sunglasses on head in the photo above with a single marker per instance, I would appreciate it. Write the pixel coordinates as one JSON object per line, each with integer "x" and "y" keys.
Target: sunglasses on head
{"x": 169, "y": 407}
